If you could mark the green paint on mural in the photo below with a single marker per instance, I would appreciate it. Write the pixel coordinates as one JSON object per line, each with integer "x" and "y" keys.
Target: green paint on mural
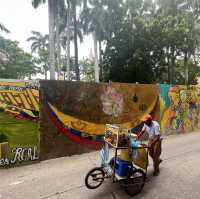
{"x": 20, "y": 133}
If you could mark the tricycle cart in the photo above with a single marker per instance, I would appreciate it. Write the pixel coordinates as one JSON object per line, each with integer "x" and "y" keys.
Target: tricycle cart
{"x": 129, "y": 173}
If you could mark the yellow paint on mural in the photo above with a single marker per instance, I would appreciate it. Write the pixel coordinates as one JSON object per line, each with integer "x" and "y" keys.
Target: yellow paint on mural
{"x": 25, "y": 102}
{"x": 33, "y": 100}
{"x": 94, "y": 128}
{"x": 16, "y": 84}
{"x": 80, "y": 125}
{"x": 18, "y": 94}
{"x": 1, "y": 97}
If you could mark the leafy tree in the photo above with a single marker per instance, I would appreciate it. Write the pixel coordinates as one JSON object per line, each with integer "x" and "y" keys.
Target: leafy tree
{"x": 150, "y": 40}
{"x": 87, "y": 70}
{"x": 193, "y": 72}
{"x": 43, "y": 61}
{"x": 40, "y": 47}
{"x": 39, "y": 41}
{"x": 20, "y": 64}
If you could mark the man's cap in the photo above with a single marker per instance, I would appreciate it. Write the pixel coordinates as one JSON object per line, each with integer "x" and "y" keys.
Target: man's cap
{"x": 147, "y": 118}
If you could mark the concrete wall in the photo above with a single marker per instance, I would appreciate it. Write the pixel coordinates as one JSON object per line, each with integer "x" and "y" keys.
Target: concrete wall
{"x": 73, "y": 115}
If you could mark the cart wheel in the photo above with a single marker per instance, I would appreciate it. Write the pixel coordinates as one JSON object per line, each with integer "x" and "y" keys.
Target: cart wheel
{"x": 94, "y": 178}
{"x": 135, "y": 183}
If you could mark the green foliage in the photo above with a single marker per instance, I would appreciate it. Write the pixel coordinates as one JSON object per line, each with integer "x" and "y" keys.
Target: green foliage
{"x": 87, "y": 70}
{"x": 193, "y": 71}
{"x": 37, "y": 3}
{"x": 43, "y": 61}
{"x": 144, "y": 41}
{"x": 38, "y": 41}
{"x": 40, "y": 46}
{"x": 150, "y": 40}
{"x": 20, "y": 63}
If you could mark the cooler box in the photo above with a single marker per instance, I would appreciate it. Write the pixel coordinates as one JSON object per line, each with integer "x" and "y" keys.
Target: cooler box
{"x": 122, "y": 167}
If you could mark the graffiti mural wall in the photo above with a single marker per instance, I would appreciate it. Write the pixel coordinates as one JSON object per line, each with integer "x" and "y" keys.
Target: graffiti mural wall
{"x": 73, "y": 115}
{"x": 19, "y": 116}
{"x": 179, "y": 108}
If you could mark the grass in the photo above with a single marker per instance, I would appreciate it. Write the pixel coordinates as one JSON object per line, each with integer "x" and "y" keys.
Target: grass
{"x": 20, "y": 133}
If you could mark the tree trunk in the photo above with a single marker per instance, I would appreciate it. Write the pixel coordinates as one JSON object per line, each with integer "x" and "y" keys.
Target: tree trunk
{"x": 85, "y": 4}
{"x": 100, "y": 63}
{"x": 173, "y": 71}
{"x": 68, "y": 41}
{"x": 186, "y": 68}
{"x": 75, "y": 42}
{"x": 168, "y": 66}
{"x": 96, "y": 69}
{"x": 51, "y": 38}
{"x": 58, "y": 41}
{"x": 45, "y": 73}
{"x": 173, "y": 58}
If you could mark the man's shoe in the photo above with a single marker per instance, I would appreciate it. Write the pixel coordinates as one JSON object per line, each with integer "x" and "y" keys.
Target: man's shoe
{"x": 156, "y": 173}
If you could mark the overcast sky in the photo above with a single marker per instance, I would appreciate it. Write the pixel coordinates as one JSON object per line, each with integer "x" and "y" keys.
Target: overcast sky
{"x": 21, "y": 18}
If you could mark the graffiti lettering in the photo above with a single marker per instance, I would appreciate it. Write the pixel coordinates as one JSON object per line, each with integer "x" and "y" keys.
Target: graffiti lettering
{"x": 21, "y": 155}
{"x": 4, "y": 162}
{"x": 12, "y": 88}
{"x": 24, "y": 154}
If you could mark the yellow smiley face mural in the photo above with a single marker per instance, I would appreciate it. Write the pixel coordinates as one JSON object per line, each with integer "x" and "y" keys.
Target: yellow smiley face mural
{"x": 85, "y": 108}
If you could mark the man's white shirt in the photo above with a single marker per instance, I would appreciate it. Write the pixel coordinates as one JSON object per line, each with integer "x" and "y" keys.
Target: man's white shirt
{"x": 152, "y": 130}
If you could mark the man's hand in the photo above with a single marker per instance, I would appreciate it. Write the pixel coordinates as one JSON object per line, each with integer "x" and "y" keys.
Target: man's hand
{"x": 140, "y": 134}
{"x": 134, "y": 135}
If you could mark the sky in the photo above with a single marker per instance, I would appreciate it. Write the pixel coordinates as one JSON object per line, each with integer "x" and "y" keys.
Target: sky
{"x": 21, "y": 18}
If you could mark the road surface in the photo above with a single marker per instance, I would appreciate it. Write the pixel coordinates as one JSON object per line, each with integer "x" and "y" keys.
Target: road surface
{"x": 63, "y": 178}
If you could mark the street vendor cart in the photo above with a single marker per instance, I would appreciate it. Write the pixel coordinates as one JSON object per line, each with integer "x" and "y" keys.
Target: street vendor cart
{"x": 128, "y": 166}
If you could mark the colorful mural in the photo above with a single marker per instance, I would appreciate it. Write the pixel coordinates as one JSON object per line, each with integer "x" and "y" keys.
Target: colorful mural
{"x": 79, "y": 111}
{"x": 73, "y": 115}
{"x": 179, "y": 108}
{"x": 20, "y": 98}
{"x": 19, "y": 116}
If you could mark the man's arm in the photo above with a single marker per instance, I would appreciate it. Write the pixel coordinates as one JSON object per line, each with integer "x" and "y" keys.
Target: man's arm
{"x": 140, "y": 133}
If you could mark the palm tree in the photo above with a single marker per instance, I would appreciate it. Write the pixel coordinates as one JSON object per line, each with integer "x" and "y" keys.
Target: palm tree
{"x": 3, "y": 28}
{"x": 4, "y": 57}
{"x": 67, "y": 30}
{"x": 39, "y": 41}
{"x": 51, "y": 11}
{"x": 68, "y": 40}
{"x": 93, "y": 22}
{"x": 77, "y": 71}
{"x": 40, "y": 45}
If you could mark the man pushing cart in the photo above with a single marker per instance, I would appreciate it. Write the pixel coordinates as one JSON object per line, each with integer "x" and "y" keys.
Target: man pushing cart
{"x": 130, "y": 161}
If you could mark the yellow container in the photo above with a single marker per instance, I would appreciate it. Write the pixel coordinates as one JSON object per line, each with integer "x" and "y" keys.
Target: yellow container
{"x": 125, "y": 155}
{"x": 142, "y": 158}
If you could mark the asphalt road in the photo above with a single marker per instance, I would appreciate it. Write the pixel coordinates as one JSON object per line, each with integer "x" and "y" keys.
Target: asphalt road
{"x": 63, "y": 178}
